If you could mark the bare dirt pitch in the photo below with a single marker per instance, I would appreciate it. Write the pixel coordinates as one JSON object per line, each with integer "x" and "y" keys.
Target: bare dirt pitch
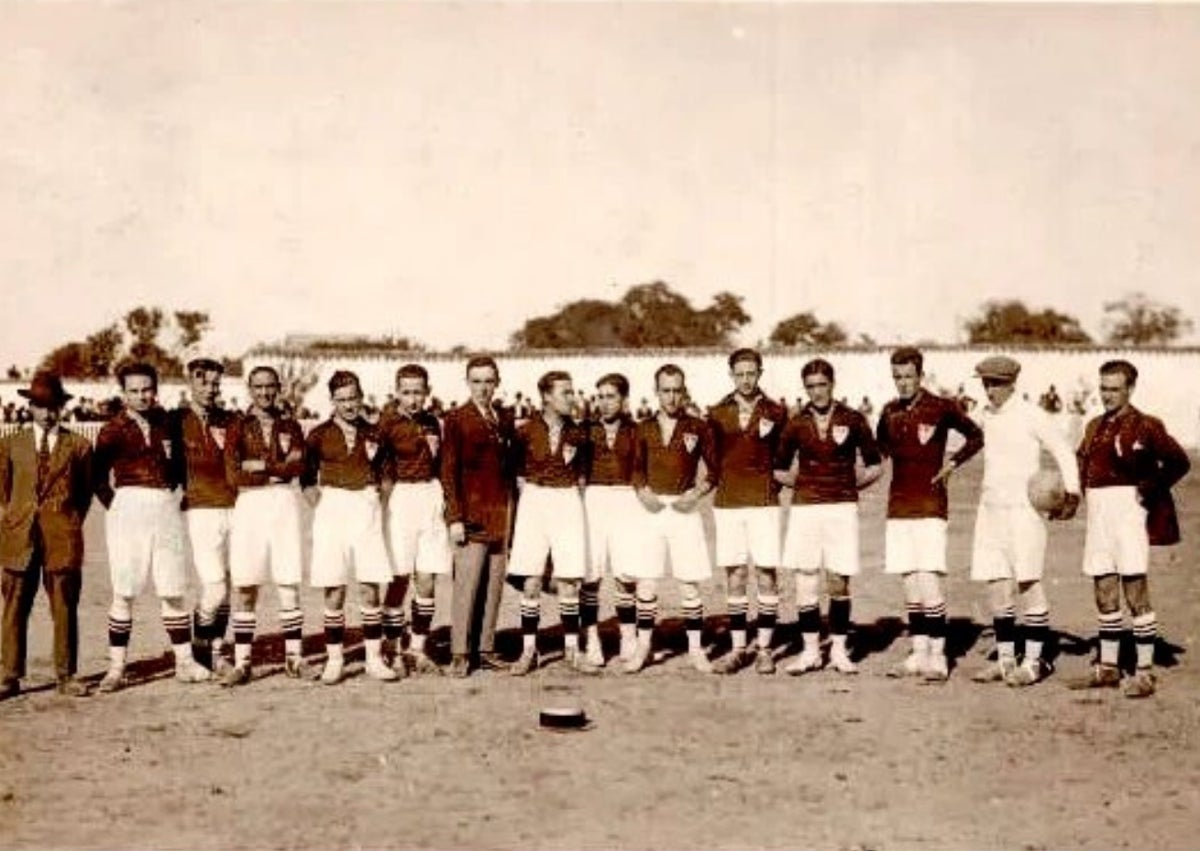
{"x": 674, "y": 760}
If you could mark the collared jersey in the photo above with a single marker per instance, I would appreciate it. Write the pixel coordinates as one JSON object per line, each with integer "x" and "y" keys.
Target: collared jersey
{"x": 330, "y": 461}
{"x": 1130, "y": 448}
{"x": 413, "y": 445}
{"x": 1014, "y": 436}
{"x": 670, "y": 468}
{"x": 124, "y": 451}
{"x": 199, "y": 451}
{"x": 913, "y": 433}
{"x": 247, "y": 442}
{"x": 611, "y": 464}
{"x": 538, "y": 462}
{"x": 746, "y": 454}
{"x": 826, "y": 473}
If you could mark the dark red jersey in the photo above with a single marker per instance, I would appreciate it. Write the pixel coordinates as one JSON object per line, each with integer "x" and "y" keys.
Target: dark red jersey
{"x": 913, "y": 433}
{"x": 413, "y": 445}
{"x": 330, "y": 461}
{"x": 827, "y": 460}
{"x": 670, "y": 469}
{"x": 611, "y": 451}
{"x": 746, "y": 454}
{"x": 1130, "y": 449}
{"x": 560, "y": 466}
{"x": 125, "y": 457}
{"x": 198, "y": 447}
{"x": 249, "y": 442}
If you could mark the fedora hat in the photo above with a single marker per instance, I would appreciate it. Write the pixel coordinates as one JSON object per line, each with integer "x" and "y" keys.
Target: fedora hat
{"x": 46, "y": 390}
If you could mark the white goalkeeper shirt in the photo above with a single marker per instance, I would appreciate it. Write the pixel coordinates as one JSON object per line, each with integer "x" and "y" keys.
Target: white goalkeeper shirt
{"x": 1013, "y": 437}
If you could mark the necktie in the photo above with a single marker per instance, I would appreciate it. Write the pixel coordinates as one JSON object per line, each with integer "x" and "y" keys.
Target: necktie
{"x": 43, "y": 458}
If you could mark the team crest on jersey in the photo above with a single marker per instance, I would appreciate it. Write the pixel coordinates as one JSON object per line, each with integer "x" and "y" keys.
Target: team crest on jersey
{"x": 1138, "y": 446}
{"x": 840, "y": 433}
{"x": 568, "y": 453}
{"x": 925, "y": 432}
{"x": 765, "y": 426}
{"x": 689, "y": 442}
{"x": 371, "y": 447}
{"x": 218, "y": 436}
{"x": 285, "y": 442}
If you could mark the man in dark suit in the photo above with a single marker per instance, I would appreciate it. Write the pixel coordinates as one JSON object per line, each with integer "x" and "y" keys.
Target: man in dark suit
{"x": 478, "y": 487}
{"x": 45, "y": 493}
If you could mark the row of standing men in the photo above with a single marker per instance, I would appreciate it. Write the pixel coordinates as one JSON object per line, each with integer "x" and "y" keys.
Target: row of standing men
{"x": 481, "y": 497}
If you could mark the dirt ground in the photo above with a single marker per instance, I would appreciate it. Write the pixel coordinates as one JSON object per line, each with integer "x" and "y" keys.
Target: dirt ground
{"x": 674, "y": 759}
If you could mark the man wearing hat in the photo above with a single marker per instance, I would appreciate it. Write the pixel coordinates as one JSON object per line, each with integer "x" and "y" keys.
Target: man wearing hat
{"x": 45, "y": 493}
{"x": 1010, "y": 536}
{"x": 198, "y": 431}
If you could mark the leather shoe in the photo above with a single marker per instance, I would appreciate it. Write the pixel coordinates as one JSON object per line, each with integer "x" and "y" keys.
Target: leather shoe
{"x": 492, "y": 662}
{"x": 9, "y": 688}
{"x": 71, "y": 687}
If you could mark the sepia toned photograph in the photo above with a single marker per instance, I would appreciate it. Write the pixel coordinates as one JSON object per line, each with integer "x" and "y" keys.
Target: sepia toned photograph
{"x": 589, "y": 425}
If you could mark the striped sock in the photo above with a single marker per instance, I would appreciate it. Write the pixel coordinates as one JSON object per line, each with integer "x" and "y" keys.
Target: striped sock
{"x": 219, "y": 626}
{"x": 202, "y": 625}
{"x": 935, "y": 626}
{"x": 568, "y": 613}
{"x": 808, "y": 623}
{"x": 918, "y": 633}
{"x": 839, "y": 615}
{"x": 647, "y": 615}
{"x": 244, "y": 625}
{"x": 179, "y": 631}
{"x": 394, "y": 622}
{"x": 693, "y": 621}
{"x": 335, "y": 631}
{"x": 1037, "y": 630}
{"x": 768, "y": 616}
{"x": 1005, "y": 625}
{"x": 1111, "y": 627}
{"x": 739, "y": 607}
{"x": 589, "y": 606}
{"x": 626, "y": 615}
{"x": 119, "y": 630}
{"x": 531, "y": 611}
{"x": 291, "y": 621}
{"x": 1145, "y": 635}
{"x": 372, "y": 627}
{"x": 422, "y": 619}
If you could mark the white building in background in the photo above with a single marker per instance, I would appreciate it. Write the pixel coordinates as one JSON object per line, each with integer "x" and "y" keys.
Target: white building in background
{"x": 1169, "y": 386}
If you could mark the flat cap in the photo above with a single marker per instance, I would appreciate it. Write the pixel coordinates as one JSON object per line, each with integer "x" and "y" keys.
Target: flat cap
{"x": 999, "y": 367}
{"x": 206, "y": 364}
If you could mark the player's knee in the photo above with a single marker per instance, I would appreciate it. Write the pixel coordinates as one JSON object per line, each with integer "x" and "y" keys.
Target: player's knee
{"x": 690, "y": 592}
{"x": 1137, "y": 595}
{"x": 289, "y": 596}
{"x": 213, "y": 595}
{"x": 1108, "y": 594}
{"x": 646, "y": 590}
{"x": 369, "y": 594}
{"x": 173, "y": 606}
{"x": 122, "y": 608}
{"x": 837, "y": 585}
{"x": 768, "y": 580}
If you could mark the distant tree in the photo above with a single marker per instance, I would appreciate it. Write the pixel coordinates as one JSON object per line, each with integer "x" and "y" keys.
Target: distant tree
{"x": 1136, "y": 320}
{"x": 805, "y": 329}
{"x": 1011, "y": 322}
{"x": 103, "y": 350}
{"x": 647, "y": 316}
{"x": 70, "y": 360}
{"x": 191, "y": 325}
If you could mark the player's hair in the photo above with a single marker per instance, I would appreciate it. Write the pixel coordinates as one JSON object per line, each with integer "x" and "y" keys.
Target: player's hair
{"x": 817, "y": 366}
{"x": 137, "y": 368}
{"x": 745, "y": 354}
{"x": 1120, "y": 367}
{"x": 546, "y": 382}
{"x": 343, "y": 378}
{"x": 619, "y": 382}
{"x": 909, "y": 354}
{"x": 268, "y": 369}
{"x": 412, "y": 370}
{"x": 668, "y": 369}
{"x": 479, "y": 361}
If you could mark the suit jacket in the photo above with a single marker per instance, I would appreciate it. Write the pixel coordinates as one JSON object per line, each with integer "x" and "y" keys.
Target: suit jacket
{"x": 476, "y": 472}
{"x": 58, "y": 507}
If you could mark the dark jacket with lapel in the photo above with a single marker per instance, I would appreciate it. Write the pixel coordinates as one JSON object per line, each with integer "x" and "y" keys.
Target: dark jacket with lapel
{"x": 476, "y": 472}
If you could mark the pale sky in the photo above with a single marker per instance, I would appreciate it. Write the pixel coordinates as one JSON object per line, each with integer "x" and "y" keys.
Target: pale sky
{"x": 446, "y": 171}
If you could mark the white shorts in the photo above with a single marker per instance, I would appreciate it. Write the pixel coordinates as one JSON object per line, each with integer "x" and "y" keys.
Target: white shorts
{"x": 912, "y": 544}
{"x": 751, "y": 535}
{"x": 416, "y": 529}
{"x": 1117, "y": 541}
{"x": 348, "y": 540}
{"x": 677, "y": 535}
{"x": 615, "y": 535}
{"x": 146, "y": 538}
{"x": 1010, "y": 543}
{"x": 266, "y": 541}
{"x": 549, "y": 523}
{"x": 208, "y": 536}
{"x": 823, "y": 535}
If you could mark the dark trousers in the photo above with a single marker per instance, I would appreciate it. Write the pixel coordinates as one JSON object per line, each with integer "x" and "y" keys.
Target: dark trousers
{"x": 478, "y": 585}
{"x": 19, "y": 588}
